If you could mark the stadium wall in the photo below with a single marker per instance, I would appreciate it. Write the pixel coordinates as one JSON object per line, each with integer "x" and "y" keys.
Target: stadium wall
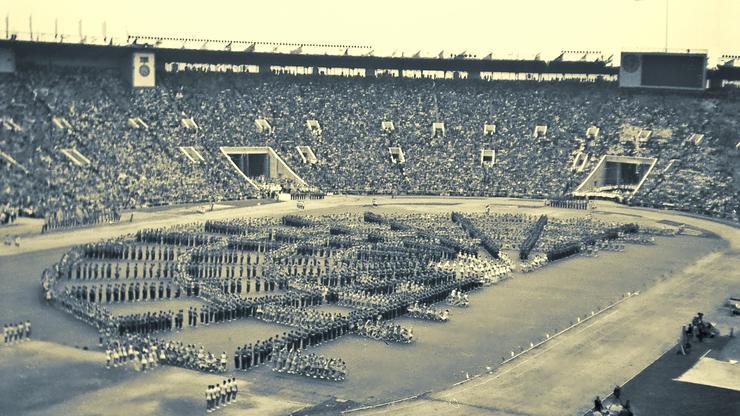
{"x": 7, "y": 61}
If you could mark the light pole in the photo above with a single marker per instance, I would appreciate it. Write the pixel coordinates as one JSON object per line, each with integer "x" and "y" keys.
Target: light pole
{"x": 666, "y": 25}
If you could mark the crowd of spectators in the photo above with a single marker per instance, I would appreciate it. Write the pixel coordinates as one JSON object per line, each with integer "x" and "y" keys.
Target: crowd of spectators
{"x": 129, "y": 167}
{"x": 139, "y": 166}
{"x": 8, "y": 214}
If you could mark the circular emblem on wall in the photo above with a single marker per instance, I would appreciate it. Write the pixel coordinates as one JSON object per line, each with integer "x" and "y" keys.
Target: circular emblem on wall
{"x": 630, "y": 63}
{"x": 144, "y": 70}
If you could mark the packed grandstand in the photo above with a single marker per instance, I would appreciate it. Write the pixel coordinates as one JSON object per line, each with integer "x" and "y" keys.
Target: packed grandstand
{"x": 131, "y": 138}
{"x": 80, "y": 144}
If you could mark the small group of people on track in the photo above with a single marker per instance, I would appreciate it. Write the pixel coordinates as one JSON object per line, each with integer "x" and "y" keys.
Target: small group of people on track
{"x": 221, "y": 395}
{"x": 16, "y": 332}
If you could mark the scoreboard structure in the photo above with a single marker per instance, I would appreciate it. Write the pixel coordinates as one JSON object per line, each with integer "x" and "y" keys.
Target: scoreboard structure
{"x": 142, "y": 73}
{"x": 663, "y": 70}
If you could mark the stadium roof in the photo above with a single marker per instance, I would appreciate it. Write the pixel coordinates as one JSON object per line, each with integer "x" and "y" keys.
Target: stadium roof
{"x": 26, "y": 50}
{"x": 111, "y": 55}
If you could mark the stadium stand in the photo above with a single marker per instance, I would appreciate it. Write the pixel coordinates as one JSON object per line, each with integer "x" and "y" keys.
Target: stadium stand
{"x": 139, "y": 164}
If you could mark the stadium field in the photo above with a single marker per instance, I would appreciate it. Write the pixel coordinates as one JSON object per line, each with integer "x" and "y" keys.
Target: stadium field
{"x": 503, "y": 318}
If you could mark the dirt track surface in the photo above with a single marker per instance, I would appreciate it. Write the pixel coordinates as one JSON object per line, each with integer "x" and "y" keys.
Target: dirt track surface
{"x": 561, "y": 377}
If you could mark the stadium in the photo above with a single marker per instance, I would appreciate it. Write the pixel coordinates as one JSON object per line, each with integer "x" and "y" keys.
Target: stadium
{"x": 196, "y": 225}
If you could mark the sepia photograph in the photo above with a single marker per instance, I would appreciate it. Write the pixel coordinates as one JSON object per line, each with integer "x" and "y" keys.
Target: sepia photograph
{"x": 338, "y": 208}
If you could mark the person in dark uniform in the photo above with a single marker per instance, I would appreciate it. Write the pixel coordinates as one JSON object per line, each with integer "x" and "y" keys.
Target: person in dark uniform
{"x": 617, "y": 393}
{"x": 598, "y": 406}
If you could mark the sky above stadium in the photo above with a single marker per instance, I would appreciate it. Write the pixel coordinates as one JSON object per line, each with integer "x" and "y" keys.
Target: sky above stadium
{"x": 507, "y": 28}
